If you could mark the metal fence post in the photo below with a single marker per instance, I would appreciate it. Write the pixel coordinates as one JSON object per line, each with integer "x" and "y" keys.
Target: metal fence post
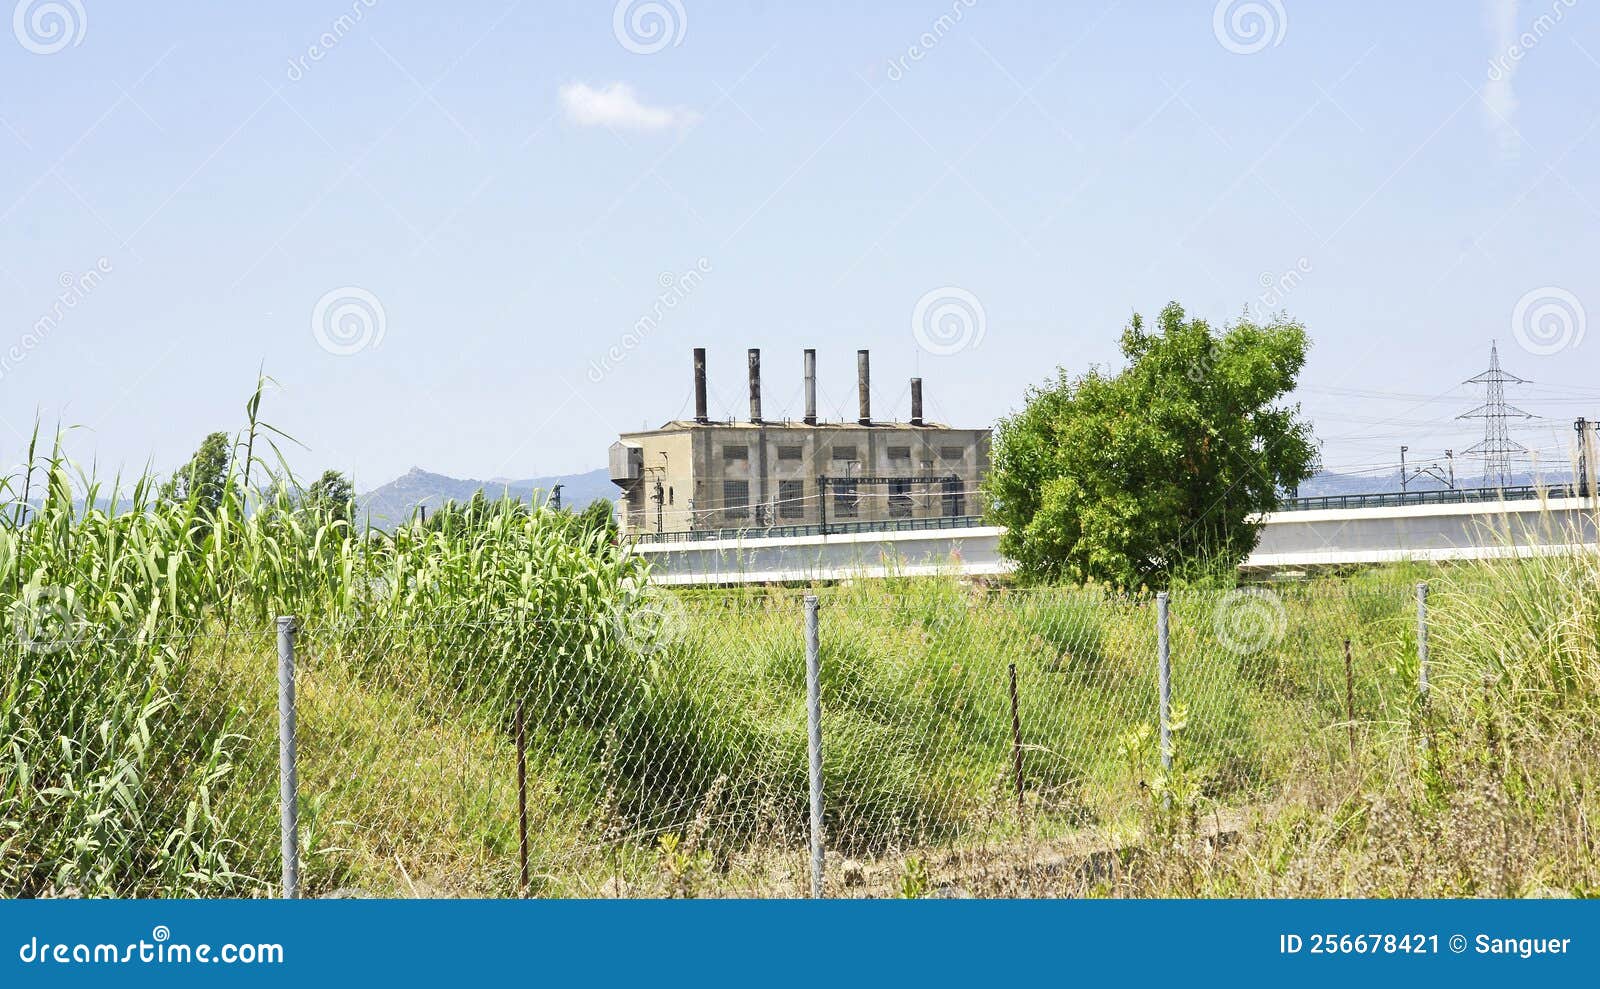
{"x": 288, "y": 790}
{"x": 522, "y": 799}
{"x": 1350, "y": 697}
{"x": 1422, "y": 639}
{"x": 1016, "y": 747}
{"x": 814, "y": 739}
{"x": 1164, "y": 656}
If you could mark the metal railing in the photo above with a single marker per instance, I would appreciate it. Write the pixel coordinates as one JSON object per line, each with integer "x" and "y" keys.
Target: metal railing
{"x": 1391, "y": 499}
{"x": 812, "y": 529}
{"x": 1456, "y": 496}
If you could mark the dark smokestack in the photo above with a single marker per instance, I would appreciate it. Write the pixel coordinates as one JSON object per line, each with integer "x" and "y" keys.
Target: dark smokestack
{"x": 916, "y": 401}
{"x": 700, "y": 384}
{"x": 755, "y": 385}
{"x": 811, "y": 387}
{"x": 864, "y": 386}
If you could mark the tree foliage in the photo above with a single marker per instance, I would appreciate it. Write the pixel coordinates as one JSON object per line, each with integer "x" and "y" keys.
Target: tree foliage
{"x": 204, "y": 478}
{"x": 1158, "y": 470}
{"x": 599, "y": 515}
{"x": 330, "y": 496}
{"x": 473, "y": 514}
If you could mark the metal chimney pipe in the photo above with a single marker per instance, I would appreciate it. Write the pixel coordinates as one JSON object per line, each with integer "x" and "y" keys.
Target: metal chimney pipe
{"x": 700, "y": 385}
{"x": 916, "y": 401}
{"x": 864, "y": 386}
{"x": 755, "y": 385}
{"x": 811, "y": 387}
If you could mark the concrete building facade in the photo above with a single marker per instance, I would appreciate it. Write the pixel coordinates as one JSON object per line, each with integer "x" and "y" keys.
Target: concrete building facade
{"x": 703, "y": 476}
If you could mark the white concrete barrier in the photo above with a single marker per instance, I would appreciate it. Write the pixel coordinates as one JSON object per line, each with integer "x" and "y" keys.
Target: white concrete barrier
{"x": 758, "y": 560}
{"x": 1424, "y": 532}
{"x": 1329, "y": 537}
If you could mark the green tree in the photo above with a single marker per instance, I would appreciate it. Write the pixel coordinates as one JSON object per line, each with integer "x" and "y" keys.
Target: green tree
{"x": 204, "y": 478}
{"x": 1155, "y": 471}
{"x": 330, "y": 496}
{"x": 474, "y": 513}
{"x": 599, "y": 516}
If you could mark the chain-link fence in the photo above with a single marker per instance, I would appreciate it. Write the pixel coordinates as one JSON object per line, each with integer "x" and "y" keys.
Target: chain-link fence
{"x": 138, "y": 764}
{"x": 661, "y": 746}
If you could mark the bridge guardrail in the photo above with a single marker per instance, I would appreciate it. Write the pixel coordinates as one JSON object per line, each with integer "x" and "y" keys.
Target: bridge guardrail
{"x": 1457, "y": 496}
{"x": 1393, "y": 499}
{"x": 813, "y": 529}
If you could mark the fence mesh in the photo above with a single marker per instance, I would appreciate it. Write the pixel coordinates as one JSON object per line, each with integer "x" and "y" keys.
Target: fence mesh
{"x": 1269, "y": 680}
{"x": 966, "y": 730}
{"x": 136, "y": 765}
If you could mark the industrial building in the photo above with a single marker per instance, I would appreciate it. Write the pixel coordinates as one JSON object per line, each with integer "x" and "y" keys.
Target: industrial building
{"x": 704, "y": 477}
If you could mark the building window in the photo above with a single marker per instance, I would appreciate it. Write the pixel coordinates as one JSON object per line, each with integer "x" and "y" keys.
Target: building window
{"x": 846, "y": 502}
{"x": 951, "y": 452}
{"x": 899, "y": 453}
{"x": 791, "y": 499}
{"x": 731, "y": 452}
{"x": 954, "y": 503}
{"x": 736, "y": 500}
{"x": 844, "y": 453}
{"x": 899, "y": 499}
{"x": 791, "y": 453}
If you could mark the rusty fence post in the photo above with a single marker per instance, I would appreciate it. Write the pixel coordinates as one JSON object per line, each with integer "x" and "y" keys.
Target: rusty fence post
{"x": 1350, "y": 697}
{"x": 1016, "y": 747}
{"x": 1422, "y": 640}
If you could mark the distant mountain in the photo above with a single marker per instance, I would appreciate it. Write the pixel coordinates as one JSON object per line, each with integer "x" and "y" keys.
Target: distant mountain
{"x": 1468, "y": 475}
{"x": 396, "y": 501}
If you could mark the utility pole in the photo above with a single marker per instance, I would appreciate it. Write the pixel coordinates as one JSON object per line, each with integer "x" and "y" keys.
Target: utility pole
{"x": 1432, "y": 470}
{"x": 661, "y": 494}
{"x": 1582, "y": 427}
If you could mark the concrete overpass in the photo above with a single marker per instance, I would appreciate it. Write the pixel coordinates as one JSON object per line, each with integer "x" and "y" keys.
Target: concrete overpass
{"x": 1291, "y": 539}
{"x": 1466, "y": 531}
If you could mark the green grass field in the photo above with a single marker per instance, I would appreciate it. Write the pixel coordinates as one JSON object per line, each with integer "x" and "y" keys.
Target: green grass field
{"x": 666, "y": 733}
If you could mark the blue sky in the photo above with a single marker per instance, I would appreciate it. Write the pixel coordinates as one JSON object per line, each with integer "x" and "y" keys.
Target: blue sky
{"x": 516, "y": 185}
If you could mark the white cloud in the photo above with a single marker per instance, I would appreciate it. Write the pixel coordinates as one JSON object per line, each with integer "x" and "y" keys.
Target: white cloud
{"x": 618, "y": 107}
{"x": 1499, "y": 97}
